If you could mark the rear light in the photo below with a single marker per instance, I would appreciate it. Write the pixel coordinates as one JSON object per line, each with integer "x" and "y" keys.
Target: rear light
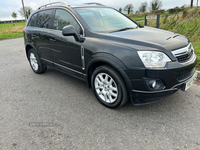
{"x": 24, "y": 30}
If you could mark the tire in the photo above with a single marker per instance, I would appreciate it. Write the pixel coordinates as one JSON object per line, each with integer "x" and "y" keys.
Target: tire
{"x": 109, "y": 87}
{"x": 35, "y": 62}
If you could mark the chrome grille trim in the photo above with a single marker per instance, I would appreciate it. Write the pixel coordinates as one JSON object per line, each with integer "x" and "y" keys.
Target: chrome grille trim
{"x": 185, "y": 55}
{"x": 182, "y": 51}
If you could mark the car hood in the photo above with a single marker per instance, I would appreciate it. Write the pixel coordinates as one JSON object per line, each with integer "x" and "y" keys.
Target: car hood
{"x": 147, "y": 39}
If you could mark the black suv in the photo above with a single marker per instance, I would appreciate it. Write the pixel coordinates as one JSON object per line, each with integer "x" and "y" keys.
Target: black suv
{"x": 118, "y": 58}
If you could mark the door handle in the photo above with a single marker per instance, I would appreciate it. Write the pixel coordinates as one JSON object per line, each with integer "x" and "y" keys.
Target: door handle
{"x": 52, "y": 40}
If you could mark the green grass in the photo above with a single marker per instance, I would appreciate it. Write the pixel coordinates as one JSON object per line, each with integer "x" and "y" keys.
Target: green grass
{"x": 12, "y": 35}
{"x": 138, "y": 17}
{"x": 142, "y": 23}
{"x": 196, "y": 46}
{"x": 11, "y": 30}
{"x": 12, "y": 24}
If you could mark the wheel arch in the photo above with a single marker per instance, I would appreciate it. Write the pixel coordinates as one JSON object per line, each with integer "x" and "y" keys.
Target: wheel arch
{"x": 110, "y": 60}
{"x": 28, "y": 47}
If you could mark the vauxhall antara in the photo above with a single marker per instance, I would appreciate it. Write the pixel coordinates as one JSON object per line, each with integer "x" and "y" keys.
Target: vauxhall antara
{"x": 118, "y": 58}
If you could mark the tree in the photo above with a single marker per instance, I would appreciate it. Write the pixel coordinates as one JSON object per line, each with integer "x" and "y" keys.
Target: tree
{"x": 155, "y": 5}
{"x": 120, "y": 9}
{"x": 184, "y": 6}
{"x": 137, "y": 12}
{"x": 28, "y": 11}
{"x": 24, "y": 10}
{"x": 191, "y": 4}
{"x": 128, "y": 8}
{"x": 143, "y": 7}
{"x": 14, "y": 15}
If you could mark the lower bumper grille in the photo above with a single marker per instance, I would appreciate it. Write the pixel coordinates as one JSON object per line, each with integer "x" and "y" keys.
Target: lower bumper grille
{"x": 185, "y": 75}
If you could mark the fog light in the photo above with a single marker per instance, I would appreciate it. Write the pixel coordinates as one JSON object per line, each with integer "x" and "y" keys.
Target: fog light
{"x": 155, "y": 84}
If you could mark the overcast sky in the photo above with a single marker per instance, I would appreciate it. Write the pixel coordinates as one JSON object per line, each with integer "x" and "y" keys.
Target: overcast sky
{"x": 7, "y": 7}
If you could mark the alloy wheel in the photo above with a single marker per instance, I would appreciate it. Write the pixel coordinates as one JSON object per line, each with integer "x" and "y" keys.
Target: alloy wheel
{"x": 106, "y": 88}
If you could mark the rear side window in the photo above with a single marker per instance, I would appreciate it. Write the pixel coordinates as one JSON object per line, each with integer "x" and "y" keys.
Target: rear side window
{"x": 64, "y": 18}
{"x": 32, "y": 21}
{"x": 44, "y": 19}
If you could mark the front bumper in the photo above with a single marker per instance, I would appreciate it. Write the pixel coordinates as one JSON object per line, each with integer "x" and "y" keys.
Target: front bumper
{"x": 147, "y": 97}
{"x": 174, "y": 76}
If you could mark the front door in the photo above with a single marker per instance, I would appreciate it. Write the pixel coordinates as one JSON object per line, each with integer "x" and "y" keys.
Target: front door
{"x": 66, "y": 51}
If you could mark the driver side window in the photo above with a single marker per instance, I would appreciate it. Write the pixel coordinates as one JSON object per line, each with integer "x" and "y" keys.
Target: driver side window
{"x": 64, "y": 18}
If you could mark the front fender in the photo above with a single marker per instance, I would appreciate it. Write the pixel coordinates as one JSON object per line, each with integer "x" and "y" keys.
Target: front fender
{"x": 108, "y": 59}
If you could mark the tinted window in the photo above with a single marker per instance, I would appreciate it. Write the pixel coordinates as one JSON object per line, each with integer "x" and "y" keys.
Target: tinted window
{"x": 44, "y": 19}
{"x": 33, "y": 20}
{"x": 64, "y": 18}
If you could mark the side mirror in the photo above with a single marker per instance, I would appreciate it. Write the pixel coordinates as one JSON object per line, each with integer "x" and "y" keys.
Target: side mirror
{"x": 70, "y": 31}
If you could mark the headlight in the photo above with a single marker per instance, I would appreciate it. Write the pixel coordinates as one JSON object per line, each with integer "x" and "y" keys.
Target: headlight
{"x": 152, "y": 59}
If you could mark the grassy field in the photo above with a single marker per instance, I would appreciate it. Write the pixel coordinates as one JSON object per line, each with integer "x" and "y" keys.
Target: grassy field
{"x": 187, "y": 24}
{"x": 138, "y": 17}
{"x": 11, "y": 30}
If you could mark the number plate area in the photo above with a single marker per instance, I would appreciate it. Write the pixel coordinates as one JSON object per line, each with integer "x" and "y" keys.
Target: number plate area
{"x": 189, "y": 83}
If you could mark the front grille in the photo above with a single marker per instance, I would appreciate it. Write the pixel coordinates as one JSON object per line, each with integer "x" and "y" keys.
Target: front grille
{"x": 185, "y": 54}
{"x": 184, "y": 58}
{"x": 185, "y": 75}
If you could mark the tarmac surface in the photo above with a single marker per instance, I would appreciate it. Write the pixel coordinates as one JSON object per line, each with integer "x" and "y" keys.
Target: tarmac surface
{"x": 54, "y": 111}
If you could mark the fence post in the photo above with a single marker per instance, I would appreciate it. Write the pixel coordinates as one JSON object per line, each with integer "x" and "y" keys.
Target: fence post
{"x": 145, "y": 20}
{"x": 158, "y": 20}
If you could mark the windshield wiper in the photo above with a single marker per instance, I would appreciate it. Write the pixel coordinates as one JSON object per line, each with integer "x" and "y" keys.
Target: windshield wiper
{"x": 123, "y": 29}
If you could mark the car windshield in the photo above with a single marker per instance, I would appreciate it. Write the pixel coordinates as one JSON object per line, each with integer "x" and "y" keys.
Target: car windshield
{"x": 105, "y": 19}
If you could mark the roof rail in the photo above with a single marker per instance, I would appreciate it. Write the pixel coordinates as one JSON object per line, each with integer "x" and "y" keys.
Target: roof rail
{"x": 62, "y": 3}
{"x": 95, "y": 3}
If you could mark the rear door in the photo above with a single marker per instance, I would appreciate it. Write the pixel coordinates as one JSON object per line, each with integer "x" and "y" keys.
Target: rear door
{"x": 44, "y": 23}
{"x": 31, "y": 32}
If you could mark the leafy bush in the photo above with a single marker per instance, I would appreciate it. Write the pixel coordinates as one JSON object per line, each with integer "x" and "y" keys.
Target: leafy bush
{"x": 176, "y": 10}
{"x": 158, "y": 11}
